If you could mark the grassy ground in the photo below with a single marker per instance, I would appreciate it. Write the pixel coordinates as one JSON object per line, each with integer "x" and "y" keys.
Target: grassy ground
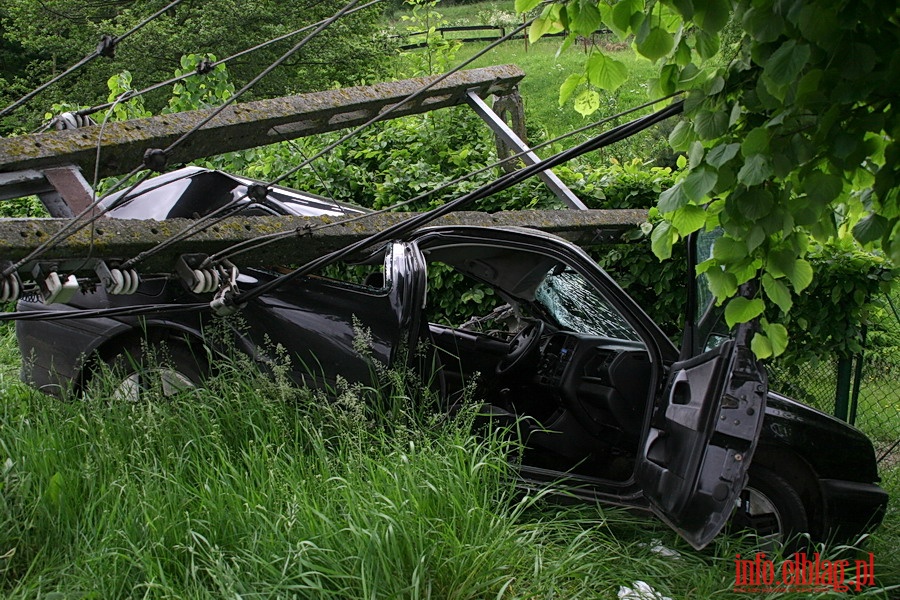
{"x": 254, "y": 489}
{"x": 545, "y": 72}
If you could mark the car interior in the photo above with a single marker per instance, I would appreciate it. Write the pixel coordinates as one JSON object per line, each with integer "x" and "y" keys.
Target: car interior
{"x": 553, "y": 361}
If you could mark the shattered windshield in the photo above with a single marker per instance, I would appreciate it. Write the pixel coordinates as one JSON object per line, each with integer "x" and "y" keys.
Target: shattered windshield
{"x": 577, "y": 305}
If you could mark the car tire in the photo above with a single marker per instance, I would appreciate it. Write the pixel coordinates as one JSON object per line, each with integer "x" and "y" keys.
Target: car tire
{"x": 164, "y": 369}
{"x": 771, "y": 509}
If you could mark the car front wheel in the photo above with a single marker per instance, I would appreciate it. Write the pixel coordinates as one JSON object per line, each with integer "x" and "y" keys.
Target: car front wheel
{"x": 772, "y": 510}
{"x": 142, "y": 370}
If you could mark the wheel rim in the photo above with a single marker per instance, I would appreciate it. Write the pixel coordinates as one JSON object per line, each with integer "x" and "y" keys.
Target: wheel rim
{"x": 758, "y": 513}
{"x": 168, "y": 381}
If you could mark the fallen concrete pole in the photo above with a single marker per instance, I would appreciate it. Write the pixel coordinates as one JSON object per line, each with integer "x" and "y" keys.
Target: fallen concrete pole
{"x": 246, "y": 125}
{"x": 117, "y": 240}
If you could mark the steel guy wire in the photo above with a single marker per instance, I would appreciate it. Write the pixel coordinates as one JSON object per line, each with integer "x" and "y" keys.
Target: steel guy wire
{"x": 106, "y": 43}
{"x": 202, "y": 224}
{"x": 77, "y": 224}
{"x": 212, "y": 65}
{"x": 263, "y": 240}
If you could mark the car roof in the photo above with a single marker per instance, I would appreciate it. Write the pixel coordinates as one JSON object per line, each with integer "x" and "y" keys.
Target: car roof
{"x": 193, "y": 192}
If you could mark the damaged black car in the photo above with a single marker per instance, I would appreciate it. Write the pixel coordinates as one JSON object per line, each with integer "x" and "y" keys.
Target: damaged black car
{"x": 605, "y": 405}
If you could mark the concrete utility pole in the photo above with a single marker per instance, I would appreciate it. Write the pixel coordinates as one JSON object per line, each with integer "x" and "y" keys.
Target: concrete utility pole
{"x": 121, "y": 239}
{"x": 246, "y": 125}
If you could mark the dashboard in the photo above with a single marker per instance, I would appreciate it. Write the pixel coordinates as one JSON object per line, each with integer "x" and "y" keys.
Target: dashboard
{"x": 603, "y": 381}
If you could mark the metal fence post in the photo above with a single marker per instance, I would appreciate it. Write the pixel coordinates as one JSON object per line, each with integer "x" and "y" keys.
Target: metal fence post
{"x": 857, "y": 377}
{"x": 842, "y": 393}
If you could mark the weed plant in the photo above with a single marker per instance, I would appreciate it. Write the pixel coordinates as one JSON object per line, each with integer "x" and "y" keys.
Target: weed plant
{"x": 252, "y": 488}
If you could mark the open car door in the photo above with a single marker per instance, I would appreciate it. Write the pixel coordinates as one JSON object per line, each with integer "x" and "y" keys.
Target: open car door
{"x": 694, "y": 457}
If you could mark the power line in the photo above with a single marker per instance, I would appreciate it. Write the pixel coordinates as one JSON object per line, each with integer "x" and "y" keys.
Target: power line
{"x": 204, "y": 68}
{"x": 106, "y": 47}
{"x": 263, "y": 240}
{"x": 401, "y": 229}
{"x": 604, "y": 139}
{"x": 76, "y": 224}
{"x": 202, "y": 224}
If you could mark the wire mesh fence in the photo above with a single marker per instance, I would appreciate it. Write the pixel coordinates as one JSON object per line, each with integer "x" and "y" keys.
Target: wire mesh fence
{"x": 865, "y": 389}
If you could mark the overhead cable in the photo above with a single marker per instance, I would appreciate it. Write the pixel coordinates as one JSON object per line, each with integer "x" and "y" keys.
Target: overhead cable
{"x": 399, "y": 230}
{"x": 106, "y": 47}
{"x": 209, "y": 219}
{"x": 263, "y": 240}
{"x": 209, "y": 66}
{"x": 153, "y": 156}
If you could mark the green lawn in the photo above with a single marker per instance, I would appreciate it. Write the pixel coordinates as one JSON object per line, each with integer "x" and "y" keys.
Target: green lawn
{"x": 545, "y": 72}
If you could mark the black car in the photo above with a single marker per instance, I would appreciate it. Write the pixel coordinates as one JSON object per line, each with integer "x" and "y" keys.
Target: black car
{"x": 602, "y": 399}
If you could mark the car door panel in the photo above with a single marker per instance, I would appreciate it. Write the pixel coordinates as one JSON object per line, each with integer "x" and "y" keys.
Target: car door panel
{"x": 314, "y": 317}
{"x": 702, "y": 435}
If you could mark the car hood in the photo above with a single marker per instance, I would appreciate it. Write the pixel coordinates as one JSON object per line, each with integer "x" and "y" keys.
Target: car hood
{"x": 821, "y": 436}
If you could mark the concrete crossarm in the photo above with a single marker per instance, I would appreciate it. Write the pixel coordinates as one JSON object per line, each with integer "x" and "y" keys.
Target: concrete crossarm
{"x": 245, "y": 125}
{"x": 122, "y": 239}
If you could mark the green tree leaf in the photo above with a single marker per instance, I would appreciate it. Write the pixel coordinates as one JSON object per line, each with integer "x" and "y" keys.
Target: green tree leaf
{"x": 712, "y": 15}
{"x": 706, "y": 44}
{"x": 673, "y": 198}
{"x": 606, "y": 72}
{"x": 568, "y": 87}
{"x": 710, "y": 124}
{"x": 756, "y": 170}
{"x": 682, "y": 136}
{"x": 721, "y": 283}
{"x": 801, "y": 275}
{"x": 624, "y": 11}
{"x": 587, "y": 102}
{"x": 822, "y": 187}
{"x": 777, "y": 335}
{"x": 586, "y": 18}
{"x": 721, "y": 154}
{"x": 523, "y": 6}
{"x": 870, "y": 229}
{"x": 785, "y": 64}
{"x": 777, "y": 292}
{"x": 755, "y": 142}
{"x": 688, "y": 219}
{"x": 728, "y": 250}
{"x": 755, "y": 203}
{"x": 741, "y": 310}
{"x": 661, "y": 240}
{"x": 761, "y": 346}
{"x": 656, "y": 43}
{"x": 699, "y": 183}
{"x": 539, "y": 28}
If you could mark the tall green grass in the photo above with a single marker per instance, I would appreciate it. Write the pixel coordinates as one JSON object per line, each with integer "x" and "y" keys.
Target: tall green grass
{"x": 251, "y": 488}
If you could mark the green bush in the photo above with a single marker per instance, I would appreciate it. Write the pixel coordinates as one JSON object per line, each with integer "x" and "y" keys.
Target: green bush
{"x": 844, "y": 297}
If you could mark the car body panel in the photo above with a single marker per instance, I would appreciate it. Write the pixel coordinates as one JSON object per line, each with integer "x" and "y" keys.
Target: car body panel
{"x": 193, "y": 192}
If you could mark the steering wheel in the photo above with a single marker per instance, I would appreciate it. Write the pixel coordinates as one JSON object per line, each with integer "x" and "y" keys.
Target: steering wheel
{"x": 522, "y": 347}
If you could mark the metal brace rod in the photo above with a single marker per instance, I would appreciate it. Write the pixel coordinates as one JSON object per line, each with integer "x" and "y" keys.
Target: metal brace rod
{"x": 504, "y": 132}
{"x": 63, "y": 190}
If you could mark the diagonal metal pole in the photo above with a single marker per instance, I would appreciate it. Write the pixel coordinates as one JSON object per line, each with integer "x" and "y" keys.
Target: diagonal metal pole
{"x": 505, "y": 133}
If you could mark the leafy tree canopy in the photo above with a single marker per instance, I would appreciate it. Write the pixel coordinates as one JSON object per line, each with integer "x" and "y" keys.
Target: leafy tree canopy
{"x": 789, "y": 133}
{"x": 54, "y": 34}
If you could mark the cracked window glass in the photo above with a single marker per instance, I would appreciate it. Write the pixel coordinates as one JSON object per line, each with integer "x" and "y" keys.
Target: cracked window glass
{"x": 577, "y": 306}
